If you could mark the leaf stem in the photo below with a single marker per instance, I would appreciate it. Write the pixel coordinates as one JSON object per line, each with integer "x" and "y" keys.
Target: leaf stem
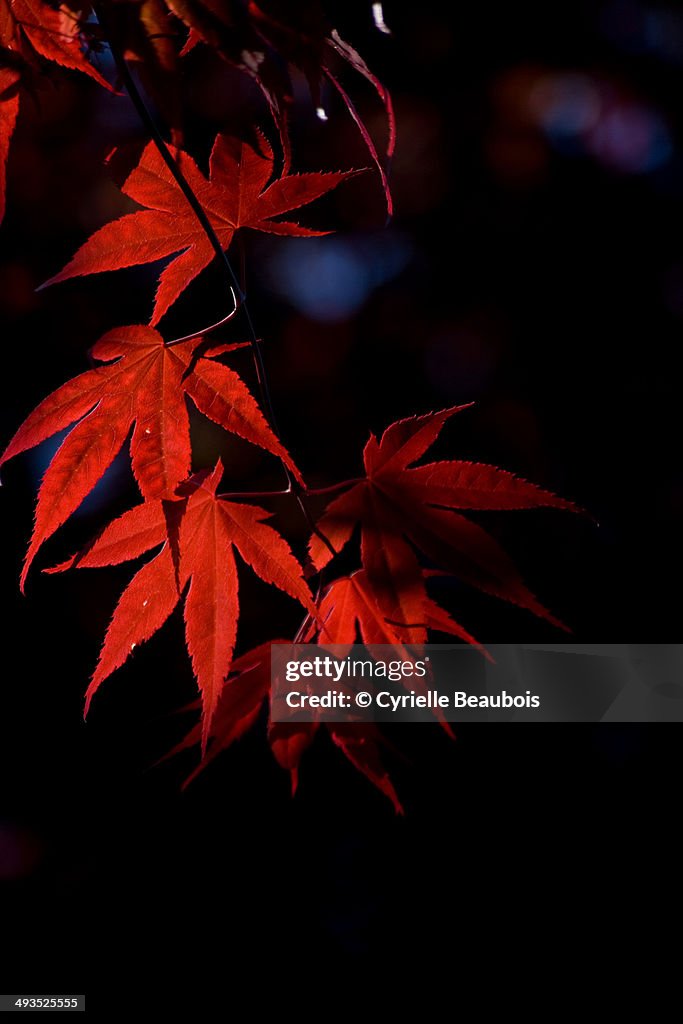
{"x": 210, "y": 328}
{"x": 314, "y": 492}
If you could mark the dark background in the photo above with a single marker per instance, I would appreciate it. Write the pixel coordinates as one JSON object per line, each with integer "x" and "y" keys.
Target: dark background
{"x": 535, "y": 266}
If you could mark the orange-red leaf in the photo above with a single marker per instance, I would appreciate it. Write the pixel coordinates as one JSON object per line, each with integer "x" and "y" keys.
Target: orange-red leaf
{"x": 234, "y": 196}
{"x": 210, "y": 530}
{"x": 400, "y": 509}
{"x": 144, "y": 387}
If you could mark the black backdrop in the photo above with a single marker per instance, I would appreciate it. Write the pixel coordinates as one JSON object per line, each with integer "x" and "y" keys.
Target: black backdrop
{"x": 535, "y": 266}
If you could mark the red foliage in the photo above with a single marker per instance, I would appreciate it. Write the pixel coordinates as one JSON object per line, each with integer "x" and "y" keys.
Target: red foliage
{"x": 198, "y": 531}
{"x": 400, "y": 509}
{"x": 144, "y": 385}
{"x": 236, "y": 196}
{"x": 403, "y": 511}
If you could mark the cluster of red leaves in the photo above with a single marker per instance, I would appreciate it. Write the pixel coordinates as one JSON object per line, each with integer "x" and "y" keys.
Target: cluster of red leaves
{"x": 261, "y": 40}
{"x": 396, "y": 506}
{"x": 139, "y": 394}
{"x": 195, "y": 532}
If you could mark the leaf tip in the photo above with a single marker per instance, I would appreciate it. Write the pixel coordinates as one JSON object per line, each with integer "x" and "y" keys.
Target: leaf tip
{"x": 24, "y": 573}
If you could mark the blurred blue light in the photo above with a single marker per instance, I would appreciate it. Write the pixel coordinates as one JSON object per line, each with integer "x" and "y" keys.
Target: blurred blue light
{"x": 580, "y": 114}
{"x": 329, "y": 279}
{"x": 566, "y": 104}
{"x": 632, "y": 139}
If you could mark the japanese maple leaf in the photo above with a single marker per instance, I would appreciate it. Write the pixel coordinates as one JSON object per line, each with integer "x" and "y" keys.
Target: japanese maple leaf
{"x": 196, "y": 561}
{"x": 237, "y": 195}
{"x": 349, "y": 611}
{"x": 401, "y": 509}
{"x": 143, "y": 386}
{"x": 238, "y": 708}
{"x": 29, "y": 30}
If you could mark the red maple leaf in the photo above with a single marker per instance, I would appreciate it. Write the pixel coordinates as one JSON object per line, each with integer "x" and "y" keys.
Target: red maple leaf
{"x": 238, "y": 707}
{"x": 349, "y": 611}
{"x": 197, "y": 559}
{"x": 237, "y": 195}
{"x": 144, "y": 386}
{"x": 29, "y": 30}
{"x": 400, "y": 509}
